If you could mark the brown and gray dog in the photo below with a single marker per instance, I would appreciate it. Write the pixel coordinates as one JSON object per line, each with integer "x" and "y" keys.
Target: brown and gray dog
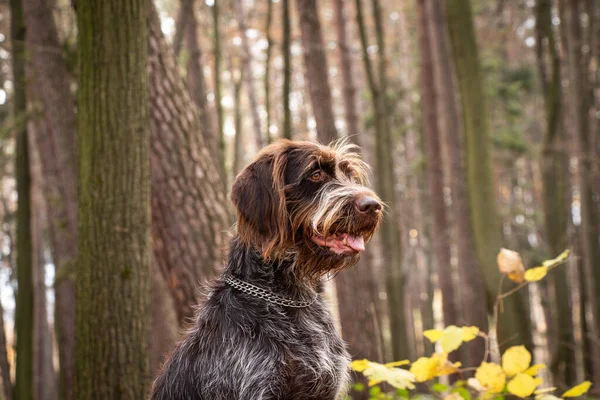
{"x": 264, "y": 331}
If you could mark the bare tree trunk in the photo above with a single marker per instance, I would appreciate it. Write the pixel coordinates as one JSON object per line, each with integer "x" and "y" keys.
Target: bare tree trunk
{"x": 579, "y": 100}
{"x": 513, "y": 324}
{"x": 435, "y": 177}
{"x": 115, "y": 249}
{"x": 238, "y": 145}
{"x": 472, "y": 294}
{"x": 248, "y": 73}
{"x": 189, "y": 208}
{"x": 7, "y": 391}
{"x": 385, "y": 180}
{"x": 315, "y": 63}
{"x": 287, "y": 69}
{"x": 50, "y": 80}
{"x": 349, "y": 89}
{"x": 554, "y": 168}
{"x": 197, "y": 86}
{"x": 24, "y": 315}
{"x": 217, "y": 75}
{"x": 44, "y": 377}
{"x": 267, "y": 81}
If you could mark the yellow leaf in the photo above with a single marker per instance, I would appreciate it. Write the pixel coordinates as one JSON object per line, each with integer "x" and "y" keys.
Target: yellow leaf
{"x": 563, "y": 256}
{"x": 535, "y": 274}
{"x": 469, "y": 333}
{"x": 447, "y": 368}
{"x": 491, "y": 377}
{"x": 544, "y": 390}
{"x": 515, "y": 360}
{"x": 452, "y": 338}
{"x": 522, "y": 385}
{"x": 578, "y": 390}
{"x": 373, "y": 382}
{"x": 425, "y": 368}
{"x": 511, "y": 264}
{"x": 534, "y": 369}
{"x": 546, "y": 396}
{"x": 397, "y": 363}
{"x": 359, "y": 365}
{"x": 433, "y": 335}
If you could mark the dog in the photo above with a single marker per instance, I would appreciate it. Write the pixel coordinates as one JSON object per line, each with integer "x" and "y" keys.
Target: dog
{"x": 265, "y": 332}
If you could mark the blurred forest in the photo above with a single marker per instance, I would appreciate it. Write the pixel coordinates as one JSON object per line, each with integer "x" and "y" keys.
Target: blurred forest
{"x": 480, "y": 118}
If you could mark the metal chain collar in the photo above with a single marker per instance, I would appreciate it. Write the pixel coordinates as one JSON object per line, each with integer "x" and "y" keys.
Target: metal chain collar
{"x": 265, "y": 294}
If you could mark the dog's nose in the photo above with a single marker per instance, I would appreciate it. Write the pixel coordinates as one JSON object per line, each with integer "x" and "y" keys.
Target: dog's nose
{"x": 368, "y": 204}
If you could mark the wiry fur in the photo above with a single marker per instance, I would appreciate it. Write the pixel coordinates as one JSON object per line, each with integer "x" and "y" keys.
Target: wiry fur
{"x": 243, "y": 347}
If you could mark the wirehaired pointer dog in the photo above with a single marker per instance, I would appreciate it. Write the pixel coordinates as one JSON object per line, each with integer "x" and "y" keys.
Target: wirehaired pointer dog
{"x": 265, "y": 332}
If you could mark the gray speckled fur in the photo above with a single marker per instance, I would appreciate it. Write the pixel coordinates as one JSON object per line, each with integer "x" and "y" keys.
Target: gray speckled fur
{"x": 241, "y": 347}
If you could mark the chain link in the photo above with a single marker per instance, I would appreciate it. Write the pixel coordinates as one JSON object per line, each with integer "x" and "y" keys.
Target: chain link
{"x": 266, "y": 294}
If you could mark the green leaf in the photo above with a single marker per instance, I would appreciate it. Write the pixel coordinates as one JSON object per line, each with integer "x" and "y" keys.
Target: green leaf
{"x": 359, "y": 387}
{"x": 374, "y": 391}
{"x": 402, "y": 393}
{"x": 439, "y": 387}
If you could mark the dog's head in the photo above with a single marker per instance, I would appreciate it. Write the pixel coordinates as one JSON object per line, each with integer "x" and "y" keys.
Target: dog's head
{"x": 305, "y": 200}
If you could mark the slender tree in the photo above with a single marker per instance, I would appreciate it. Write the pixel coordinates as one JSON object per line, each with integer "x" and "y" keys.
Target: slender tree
{"x": 435, "y": 177}
{"x": 287, "y": 69}
{"x": 24, "y": 304}
{"x": 472, "y": 296}
{"x": 248, "y": 73}
{"x": 385, "y": 182}
{"x": 57, "y": 148}
{"x": 217, "y": 73}
{"x": 513, "y": 326}
{"x": 267, "y": 81}
{"x": 554, "y": 166}
{"x": 315, "y": 63}
{"x": 4, "y": 365}
{"x": 113, "y": 278}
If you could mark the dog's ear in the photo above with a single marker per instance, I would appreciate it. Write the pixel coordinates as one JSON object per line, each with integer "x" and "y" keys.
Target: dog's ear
{"x": 259, "y": 198}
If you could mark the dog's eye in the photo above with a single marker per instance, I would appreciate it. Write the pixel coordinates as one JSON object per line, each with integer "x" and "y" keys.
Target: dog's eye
{"x": 316, "y": 176}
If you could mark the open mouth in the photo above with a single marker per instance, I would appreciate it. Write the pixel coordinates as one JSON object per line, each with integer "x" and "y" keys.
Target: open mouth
{"x": 341, "y": 243}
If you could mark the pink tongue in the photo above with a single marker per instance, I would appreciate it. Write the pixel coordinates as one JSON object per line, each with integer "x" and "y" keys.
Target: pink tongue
{"x": 356, "y": 242}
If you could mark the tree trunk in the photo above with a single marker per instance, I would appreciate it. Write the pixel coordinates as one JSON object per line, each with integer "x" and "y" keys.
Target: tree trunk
{"x": 287, "y": 69}
{"x": 197, "y": 86}
{"x": 385, "y": 183}
{"x": 7, "y": 391}
{"x": 315, "y": 63}
{"x": 24, "y": 302}
{"x": 433, "y": 152}
{"x": 217, "y": 75}
{"x": 56, "y": 145}
{"x": 349, "y": 89}
{"x": 114, "y": 274}
{"x": 248, "y": 72}
{"x": 554, "y": 166}
{"x": 472, "y": 294}
{"x": 267, "y": 81}
{"x": 238, "y": 145}
{"x": 513, "y": 324}
{"x": 165, "y": 329}
{"x": 44, "y": 377}
{"x": 580, "y": 103}
{"x": 189, "y": 208}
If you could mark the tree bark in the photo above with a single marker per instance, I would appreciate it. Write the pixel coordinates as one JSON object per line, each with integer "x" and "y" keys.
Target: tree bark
{"x": 217, "y": 75}
{"x": 165, "y": 329}
{"x": 472, "y": 294}
{"x": 267, "y": 81}
{"x": 349, "y": 88}
{"x": 197, "y": 86}
{"x": 24, "y": 298}
{"x": 287, "y": 69}
{"x": 50, "y": 81}
{"x": 554, "y": 166}
{"x": 433, "y": 152}
{"x": 114, "y": 274}
{"x": 385, "y": 184}
{"x": 248, "y": 73}
{"x": 189, "y": 208}
{"x": 513, "y": 324}
{"x": 7, "y": 391}
{"x": 315, "y": 63}
{"x": 580, "y": 104}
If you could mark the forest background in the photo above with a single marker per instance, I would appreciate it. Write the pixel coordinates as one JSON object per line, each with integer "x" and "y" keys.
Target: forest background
{"x": 481, "y": 119}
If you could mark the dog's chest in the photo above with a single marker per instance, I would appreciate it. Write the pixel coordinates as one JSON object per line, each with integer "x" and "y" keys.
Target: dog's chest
{"x": 317, "y": 362}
